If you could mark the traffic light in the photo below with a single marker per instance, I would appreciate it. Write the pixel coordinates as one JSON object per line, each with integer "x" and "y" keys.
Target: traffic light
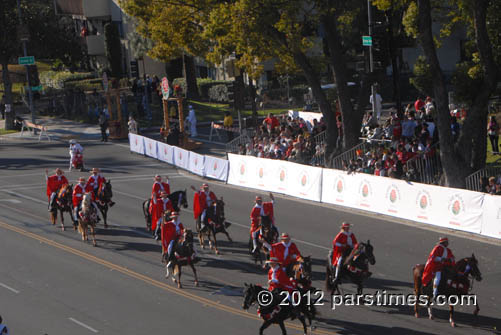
{"x": 231, "y": 93}
{"x": 33, "y": 80}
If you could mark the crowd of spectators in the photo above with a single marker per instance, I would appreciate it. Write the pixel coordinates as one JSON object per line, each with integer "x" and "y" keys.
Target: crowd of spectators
{"x": 396, "y": 141}
{"x": 287, "y": 138}
{"x": 491, "y": 185}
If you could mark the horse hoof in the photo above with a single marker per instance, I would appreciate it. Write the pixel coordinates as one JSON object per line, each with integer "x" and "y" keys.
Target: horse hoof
{"x": 179, "y": 285}
{"x": 430, "y": 317}
{"x": 94, "y": 244}
{"x": 203, "y": 247}
{"x": 196, "y": 283}
{"x": 217, "y": 252}
{"x": 416, "y": 315}
{"x": 62, "y": 228}
{"x": 105, "y": 226}
{"x": 453, "y": 324}
{"x": 174, "y": 280}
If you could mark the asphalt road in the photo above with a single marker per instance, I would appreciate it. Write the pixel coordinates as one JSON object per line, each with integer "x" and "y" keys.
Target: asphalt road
{"x": 53, "y": 283}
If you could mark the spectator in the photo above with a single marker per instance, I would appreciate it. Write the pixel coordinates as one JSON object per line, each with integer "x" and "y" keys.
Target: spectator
{"x": 429, "y": 106}
{"x": 228, "y": 123}
{"x": 455, "y": 128}
{"x": 377, "y": 103}
{"x": 191, "y": 122}
{"x": 425, "y": 134}
{"x": 491, "y": 187}
{"x": 419, "y": 104}
{"x": 493, "y": 132}
{"x": 409, "y": 126}
{"x": 3, "y": 328}
{"x": 241, "y": 149}
{"x": 103, "y": 124}
{"x": 370, "y": 121}
{"x": 132, "y": 125}
{"x": 271, "y": 123}
{"x": 2, "y": 107}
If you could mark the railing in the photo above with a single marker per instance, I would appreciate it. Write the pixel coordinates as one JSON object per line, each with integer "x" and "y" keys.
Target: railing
{"x": 234, "y": 145}
{"x": 424, "y": 168}
{"x": 337, "y": 162}
{"x": 474, "y": 181}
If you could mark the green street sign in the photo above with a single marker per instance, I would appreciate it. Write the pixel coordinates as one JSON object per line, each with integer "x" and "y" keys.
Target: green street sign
{"x": 28, "y": 60}
{"x": 367, "y": 41}
{"x": 36, "y": 88}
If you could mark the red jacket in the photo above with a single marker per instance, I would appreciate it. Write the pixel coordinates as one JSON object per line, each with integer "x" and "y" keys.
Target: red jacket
{"x": 438, "y": 257}
{"x": 157, "y": 188}
{"x": 266, "y": 209}
{"x": 200, "y": 202}
{"x": 95, "y": 181}
{"x": 78, "y": 193}
{"x": 277, "y": 278}
{"x": 54, "y": 183}
{"x": 170, "y": 231}
{"x": 159, "y": 208}
{"x": 340, "y": 243}
{"x": 286, "y": 254}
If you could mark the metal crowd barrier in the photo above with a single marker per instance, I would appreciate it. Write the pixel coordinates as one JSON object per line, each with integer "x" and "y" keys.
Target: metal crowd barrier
{"x": 474, "y": 181}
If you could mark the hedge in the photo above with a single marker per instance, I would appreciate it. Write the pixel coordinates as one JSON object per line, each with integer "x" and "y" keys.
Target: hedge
{"x": 204, "y": 85}
{"x": 57, "y": 79}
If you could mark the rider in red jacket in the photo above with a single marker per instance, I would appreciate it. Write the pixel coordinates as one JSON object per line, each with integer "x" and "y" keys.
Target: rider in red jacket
{"x": 171, "y": 232}
{"x": 285, "y": 251}
{"x": 54, "y": 183}
{"x": 259, "y": 210}
{"x": 439, "y": 257}
{"x": 162, "y": 205}
{"x": 343, "y": 240}
{"x": 158, "y": 187}
{"x": 277, "y": 278}
{"x": 202, "y": 200}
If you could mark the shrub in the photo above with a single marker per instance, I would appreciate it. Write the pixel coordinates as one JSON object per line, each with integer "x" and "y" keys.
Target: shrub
{"x": 203, "y": 84}
{"x": 57, "y": 80}
{"x": 218, "y": 93}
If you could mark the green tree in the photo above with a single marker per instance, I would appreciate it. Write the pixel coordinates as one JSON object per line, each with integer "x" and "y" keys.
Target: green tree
{"x": 468, "y": 153}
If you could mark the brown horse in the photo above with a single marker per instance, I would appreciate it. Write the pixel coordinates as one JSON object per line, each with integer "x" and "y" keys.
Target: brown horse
{"x": 302, "y": 273}
{"x": 215, "y": 223}
{"x": 455, "y": 281}
{"x": 87, "y": 218}
{"x": 61, "y": 203}
{"x": 184, "y": 253}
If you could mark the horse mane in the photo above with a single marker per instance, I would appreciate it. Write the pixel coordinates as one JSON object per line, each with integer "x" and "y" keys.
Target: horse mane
{"x": 62, "y": 190}
{"x": 354, "y": 252}
{"x": 86, "y": 202}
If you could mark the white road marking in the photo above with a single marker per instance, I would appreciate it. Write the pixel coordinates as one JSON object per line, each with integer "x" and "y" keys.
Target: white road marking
{"x": 14, "y": 201}
{"x": 26, "y": 197}
{"x": 83, "y": 325}
{"x": 9, "y": 288}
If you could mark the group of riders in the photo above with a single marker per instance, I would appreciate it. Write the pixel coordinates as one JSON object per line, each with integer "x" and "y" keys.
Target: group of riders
{"x": 282, "y": 254}
{"x": 92, "y": 185}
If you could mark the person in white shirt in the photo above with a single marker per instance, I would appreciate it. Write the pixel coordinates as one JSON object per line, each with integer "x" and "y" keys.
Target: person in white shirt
{"x": 378, "y": 107}
{"x": 75, "y": 148}
{"x": 192, "y": 121}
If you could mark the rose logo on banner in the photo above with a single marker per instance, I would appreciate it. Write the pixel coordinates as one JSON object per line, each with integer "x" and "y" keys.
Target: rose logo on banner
{"x": 136, "y": 142}
{"x": 393, "y": 194}
{"x": 196, "y": 161}
{"x": 215, "y": 166}
{"x": 242, "y": 169}
{"x": 423, "y": 202}
{"x": 149, "y": 145}
{"x": 456, "y": 207}
{"x": 282, "y": 175}
{"x": 339, "y": 186}
{"x": 180, "y": 156}
{"x": 304, "y": 180}
{"x": 261, "y": 172}
{"x": 365, "y": 190}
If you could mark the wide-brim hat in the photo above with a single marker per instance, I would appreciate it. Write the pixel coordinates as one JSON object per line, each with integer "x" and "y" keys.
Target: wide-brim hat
{"x": 174, "y": 214}
{"x": 94, "y": 170}
{"x": 73, "y": 141}
{"x": 284, "y": 236}
{"x": 59, "y": 170}
{"x": 443, "y": 239}
{"x": 157, "y": 176}
{"x": 346, "y": 225}
{"x": 258, "y": 198}
{"x": 81, "y": 179}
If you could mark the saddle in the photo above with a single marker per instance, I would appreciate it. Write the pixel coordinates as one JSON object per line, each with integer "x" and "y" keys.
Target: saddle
{"x": 90, "y": 216}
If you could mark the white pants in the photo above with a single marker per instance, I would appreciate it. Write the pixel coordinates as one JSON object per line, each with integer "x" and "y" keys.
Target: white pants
{"x": 202, "y": 217}
{"x": 52, "y": 196}
{"x": 193, "y": 129}
{"x": 254, "y": 238}
{"x": 338, "y": 266}
{"x": 436, "y": 282}
{"x": 169, "y": 248}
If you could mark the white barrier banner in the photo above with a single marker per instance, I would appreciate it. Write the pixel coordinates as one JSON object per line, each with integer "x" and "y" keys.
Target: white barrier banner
{"x": 491, "y": 225}
{"x": 196, "y": 163}
{"x": 150, "y": 147}
{"x": 216, "y": 168}
{"x": 181, "y": 158}
{"x": 440, "y": 206}
{"x": 298, "y": 180}
{"x": 165, "y": 152}
{"x": 136, "y": 143}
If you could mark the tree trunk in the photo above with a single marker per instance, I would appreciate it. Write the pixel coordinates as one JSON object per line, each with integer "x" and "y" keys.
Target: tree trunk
{"x": 394, "y": 66}
{"x": 7, "y": 85}
{"x": 190, "y": 77}
{"x": 352, "y": 119}
{"x": 454, "y": 167}
{"x": 253, "y": 100}
{"x": 325, "y": 107}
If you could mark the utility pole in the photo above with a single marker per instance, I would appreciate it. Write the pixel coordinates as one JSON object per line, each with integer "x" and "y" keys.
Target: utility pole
{"x": 371, "y": 58}
{"x": 30, "y": 94}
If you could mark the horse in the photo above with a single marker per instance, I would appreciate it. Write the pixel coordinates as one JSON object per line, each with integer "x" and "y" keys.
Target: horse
{"x": 268, "y": 236}
{"x": 185, "y": 254}
{"x": 87, "y": 218}
{"x": 215, "y": 223}
{"x": 455, "y": 281}
{"x": 301, "y": 272}
{"x": 62, "y": 203}
{"x": 103, "y": 200}
{"x": 355, "y": 267}
{"x": 178, "y": 200}
{"x": 274, "y": 312}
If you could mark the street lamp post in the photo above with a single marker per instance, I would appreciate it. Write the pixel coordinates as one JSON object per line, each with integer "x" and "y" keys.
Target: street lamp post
{"x": 371, "y": 58}
{"x": 24, "y": 40}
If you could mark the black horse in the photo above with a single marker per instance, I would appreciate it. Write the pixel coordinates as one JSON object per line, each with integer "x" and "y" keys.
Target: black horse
{"x": 215, "y": 223}
{"x": 269, "y": 235}
{"x": 455, "y": 281}
{"x": 178, "y": 200}
{"x": 62, "y": 203}
{"x": 103, "y": 200}
{"x": 184, "y": 254}
{"x": 355, "y": 267}
{"x": 275, "y": 312}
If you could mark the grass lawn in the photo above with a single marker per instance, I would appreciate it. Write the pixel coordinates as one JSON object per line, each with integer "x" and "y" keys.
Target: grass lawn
{"x": 5, "y": 132}
{"x": 492, "y": 160}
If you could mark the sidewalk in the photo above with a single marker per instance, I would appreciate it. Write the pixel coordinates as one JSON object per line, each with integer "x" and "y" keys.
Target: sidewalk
{"x": 58, "y": 129}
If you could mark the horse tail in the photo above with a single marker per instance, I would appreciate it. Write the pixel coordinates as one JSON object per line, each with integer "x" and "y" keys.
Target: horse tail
{"x": 328, "y": 282}
{"x": 146, "y": 208}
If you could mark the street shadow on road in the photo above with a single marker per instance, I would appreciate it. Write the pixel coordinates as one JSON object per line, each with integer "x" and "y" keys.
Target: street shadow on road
{"x": 23, "y": 163}
{"x": 124, "y": 245}
{"x": 346, "y": 327}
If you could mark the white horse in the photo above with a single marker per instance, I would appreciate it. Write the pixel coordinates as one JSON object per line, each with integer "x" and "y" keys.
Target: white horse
{"x": 87, "y": 217}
